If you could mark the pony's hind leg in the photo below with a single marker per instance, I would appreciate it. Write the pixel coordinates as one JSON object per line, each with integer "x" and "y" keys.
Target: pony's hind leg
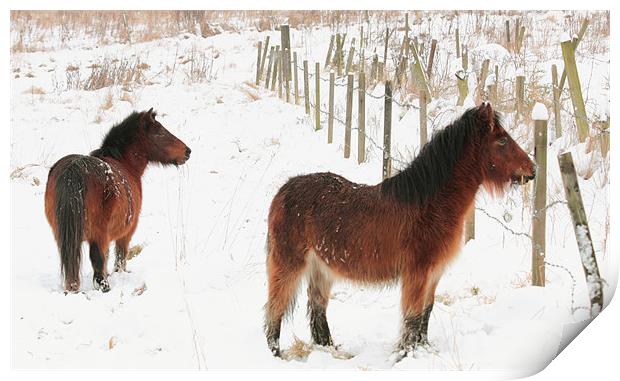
{"x": 284, "y": 275}
{"x": 120, "y": 251}
{"x": 99, "y": 259}
{"x": 319, "y": 288}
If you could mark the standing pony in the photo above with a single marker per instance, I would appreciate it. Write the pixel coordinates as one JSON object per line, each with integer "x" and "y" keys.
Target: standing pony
{"x": 97, "y": 198}
{"x": 408, "y": 227}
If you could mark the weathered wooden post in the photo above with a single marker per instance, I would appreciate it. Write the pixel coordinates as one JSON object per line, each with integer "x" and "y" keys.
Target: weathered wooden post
{"x": 556, "y": 102}
{"x": 349, "y": 117}
{"x": 268, "y": 77}
{"x": 431, "y": 59}
{"x": 470, "y": 223}
{"x": 458, "y": 44}
{"x": 582, "y": 32}
{"x": 581, "y": 119}
{"x": 317, "y": 97}
{"x": 604, "y": 137}
{"x": 361, "y": 118}
{"x": 258, "y": 63}
{"x": 276, "y": 64}
{"x": 262, "y": 61}
{"x": 461, "y": 81}
{"x": 385, "y": 53}
{"x": 295, "y": 79}
{"x": 350, "y": 58}
{"x": 340, "y": 43}
{"x": 423, "y": 118}
{"x": 465, "y": 59}
{"x": 280, "y": 72}
{"x": 582, "y": 232}
{"x": 285, "y": 41}
{"x": 484, "y": 72}
{"x": 520, "y": 93}
{"x": 330, "y": 119}
{"x": 508, "y": 47}
{"x": 387, "y": 131}
{"x": 306, "y": 89}
{"x": 419, "y": 75}
{"x": 329, "y": 50}
{"x": 539, "y": 216}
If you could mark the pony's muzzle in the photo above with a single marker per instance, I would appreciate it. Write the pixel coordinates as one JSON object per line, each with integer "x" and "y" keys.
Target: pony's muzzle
{"x": 188, "y": 151}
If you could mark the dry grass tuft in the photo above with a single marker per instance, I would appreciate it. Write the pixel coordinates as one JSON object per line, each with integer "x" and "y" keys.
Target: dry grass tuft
{"x": 35, "y": 91}
{"x": 445, "y": 299}
{"x": 108, "y": 103}
{"x": 300, "y": 350}
{"x": 134, "y": 251}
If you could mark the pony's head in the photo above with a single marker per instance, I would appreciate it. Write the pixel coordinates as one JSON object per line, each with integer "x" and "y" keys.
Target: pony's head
{"x": 503, "y": 160}
{"x": 161, "y": 146}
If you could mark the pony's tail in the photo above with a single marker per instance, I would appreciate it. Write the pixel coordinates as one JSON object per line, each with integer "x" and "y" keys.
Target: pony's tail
{"x": 70, "y": 188}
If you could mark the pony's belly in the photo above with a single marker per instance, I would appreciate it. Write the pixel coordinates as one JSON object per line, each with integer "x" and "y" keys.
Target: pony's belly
{"x": 361, "y": 267}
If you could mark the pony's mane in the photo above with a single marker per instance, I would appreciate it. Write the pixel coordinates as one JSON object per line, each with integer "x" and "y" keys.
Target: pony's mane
{"x": 434, "y": 165}
{"x": 119, "y": 137}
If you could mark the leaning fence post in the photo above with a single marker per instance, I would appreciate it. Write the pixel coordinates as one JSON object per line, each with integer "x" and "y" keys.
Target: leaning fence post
{"x": 556, "y": 101}
{"x": 582, "y": 232}
{"x": 350, "y": 58}
{"x": 280, "y": 72}
{"x": 262, "y": 61}
{"x": 258, "y": 63}
{"x": 329, "y": 51}
{"x": 387, "y": 131}
{"x": 330, "y": 118}
{"x": 484, "y": 72}
{"x": 306, "y": 90}
{"x": 570, "y": 66}
{"x": 276, "y": 63}
{"x": 317, "y": 98}
{"x": 461, "y": 81}
{"x": 295, "y": 79}
{"x": 431, "y": 59}
{"x": 349, "y": 116}
{"x": 268, "y": 76}
{"x": 423, "y": 119}
{"x": 361, "y": 118}
{"x": 539, "y": 216}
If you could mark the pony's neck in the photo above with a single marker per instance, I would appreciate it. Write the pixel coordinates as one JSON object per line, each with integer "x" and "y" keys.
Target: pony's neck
{"x": 134, "y": 160}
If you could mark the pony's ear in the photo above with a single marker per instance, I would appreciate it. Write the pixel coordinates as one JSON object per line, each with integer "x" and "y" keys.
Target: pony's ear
{"x": 487, "y": 115}
{"x": 149, "y": 116}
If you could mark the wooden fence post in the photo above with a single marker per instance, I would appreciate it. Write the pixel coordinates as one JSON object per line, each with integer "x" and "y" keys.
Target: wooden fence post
{"x": 258, "y": 63}
{"x": 306, "y": 89}
{"x": 262, "y": 61}
{"x": 329, "y": 51}
{"x": 508, "y": 47}
{"x": 330, "y": 119}
{"x": 280, "y": 72}
{"x": 268, "y": 76}
{"x": 568, "y": 53}
{"x": 458, "y": 44}
{"x": 361, "y": 118}
{"x": 520, "y": 93}
{"x": 349, "y": 116}
{"x": 285, "y": 42}
{"x": 423, "y": 119}
{"x": 556, "y": 102}
{"x": 340, "y": 54}
{"x": 387, "y": 131}
{"x": 385, "y": 52}
{"x": 431, "y": 59}
{"x": 465, "y": 59}
{"x": 350, "y": 58}
{"x": 470, "y": 223}
{"x": 295, "y": 79}
{"x": 582, "y": 32}
{"x": 461, "y": 81}
{"x": 484, "y": 73}
{"x": 276, "y": 63}
{"x": 317, "y": 98}
{"x": 582, "y": 232}
{"x": 419, "y": 74}
{"x": 539, "y": 215}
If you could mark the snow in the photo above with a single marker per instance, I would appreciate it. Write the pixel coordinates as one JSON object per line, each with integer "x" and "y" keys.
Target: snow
{"x": 564, "y": 37}
{"x": 195, "y": 294}
{"x": 539, "y": 112}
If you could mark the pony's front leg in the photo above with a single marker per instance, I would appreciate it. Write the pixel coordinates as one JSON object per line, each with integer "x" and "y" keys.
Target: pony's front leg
{"x": 416, "y": 312}
{"x": 99, "y": 259}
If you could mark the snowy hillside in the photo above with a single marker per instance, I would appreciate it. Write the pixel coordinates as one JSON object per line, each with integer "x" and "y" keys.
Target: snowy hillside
{"x": 195, "y": 293}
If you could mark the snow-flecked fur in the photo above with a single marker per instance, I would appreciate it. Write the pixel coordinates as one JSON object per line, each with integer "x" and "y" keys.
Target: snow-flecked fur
{"x": 408, "y": 227}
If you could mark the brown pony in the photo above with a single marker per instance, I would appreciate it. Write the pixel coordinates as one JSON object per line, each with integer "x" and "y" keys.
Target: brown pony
{"x": 408, "y": 227}
{"x": 97, "y": 198}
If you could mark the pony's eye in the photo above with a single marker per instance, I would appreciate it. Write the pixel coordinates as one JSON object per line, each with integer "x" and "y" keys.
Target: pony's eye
{"x": 502, "y": 141}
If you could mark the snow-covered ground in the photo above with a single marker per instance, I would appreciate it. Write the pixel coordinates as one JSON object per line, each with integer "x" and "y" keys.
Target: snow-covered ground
{"x": 194, "y": 296}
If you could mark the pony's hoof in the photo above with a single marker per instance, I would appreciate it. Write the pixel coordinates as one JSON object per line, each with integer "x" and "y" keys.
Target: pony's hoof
{"x": 101, "y": 285}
